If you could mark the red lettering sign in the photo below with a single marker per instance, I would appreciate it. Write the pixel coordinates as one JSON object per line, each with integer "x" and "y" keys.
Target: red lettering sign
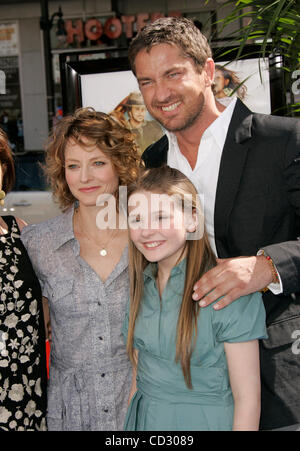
{"x": 155, "y": 16}
{"x": 76, "y": 30}
{"x": 142, "y": 20}
{"x": 113, "y": 27}
{"x": 128, "y": 21}
{"x": 93, "y": 29}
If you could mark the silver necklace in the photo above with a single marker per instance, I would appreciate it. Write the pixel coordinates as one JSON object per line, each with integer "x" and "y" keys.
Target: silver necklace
{"x": 103, "y": 247}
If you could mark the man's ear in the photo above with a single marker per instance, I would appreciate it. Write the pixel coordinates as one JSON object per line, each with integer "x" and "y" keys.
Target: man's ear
{"x": 209, "y": 71}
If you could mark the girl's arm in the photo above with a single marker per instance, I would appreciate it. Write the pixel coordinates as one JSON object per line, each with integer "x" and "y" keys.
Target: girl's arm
{"x": 244, "y": 375}
{"x": 134, "y": 372}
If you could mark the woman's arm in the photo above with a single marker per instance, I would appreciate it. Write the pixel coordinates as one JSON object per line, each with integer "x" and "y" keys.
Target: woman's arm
{"x": 21, "y": 223}
{"x": 134, "y": 371}
{"x": 244, "y": 375}
{"x": 47, "y": 320}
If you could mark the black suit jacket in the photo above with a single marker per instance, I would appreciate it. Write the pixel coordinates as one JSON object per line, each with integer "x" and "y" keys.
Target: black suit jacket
{"x": 258, "y": 206}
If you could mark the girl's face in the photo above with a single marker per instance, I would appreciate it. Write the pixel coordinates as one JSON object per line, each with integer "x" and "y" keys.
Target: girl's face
{"x": 89, "y": 173}
{"x": 157, "y": 226}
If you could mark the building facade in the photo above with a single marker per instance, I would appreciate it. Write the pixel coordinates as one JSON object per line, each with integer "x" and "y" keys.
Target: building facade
{"x": 94, "y": 24}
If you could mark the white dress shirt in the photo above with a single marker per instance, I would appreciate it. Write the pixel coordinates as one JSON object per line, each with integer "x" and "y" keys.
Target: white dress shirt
{"x": 206, "y": 171}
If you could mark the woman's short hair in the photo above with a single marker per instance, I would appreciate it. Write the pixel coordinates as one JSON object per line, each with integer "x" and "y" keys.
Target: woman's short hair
{"x": 96, "y": 128}
{"x": 7, "y": 163}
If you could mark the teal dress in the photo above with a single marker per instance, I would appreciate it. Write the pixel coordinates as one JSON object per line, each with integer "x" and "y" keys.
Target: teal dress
{"x": 162, "y": 401}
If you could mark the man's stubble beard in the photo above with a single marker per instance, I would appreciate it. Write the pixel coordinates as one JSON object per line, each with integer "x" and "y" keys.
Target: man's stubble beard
{"x": 189, "y": 120}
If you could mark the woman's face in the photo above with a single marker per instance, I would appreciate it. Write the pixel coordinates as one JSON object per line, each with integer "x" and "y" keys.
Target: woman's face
{"x": 220, "y": 82}
{"x": 89, "y": 173}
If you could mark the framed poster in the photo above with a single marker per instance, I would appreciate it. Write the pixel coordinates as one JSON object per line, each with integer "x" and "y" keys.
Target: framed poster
{"x": 110, "y": 86}
{"x": 262, "y": 78}
{"x": 104, "y": 83}
{"x": 76, "y": 66}
{"x": 247, "y": 79}
{"x": 106, "y": 90}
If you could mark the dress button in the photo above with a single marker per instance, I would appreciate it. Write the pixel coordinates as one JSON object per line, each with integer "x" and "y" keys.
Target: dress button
{"x": 103, "y": 375}
{"x": 105, "y": 410}
{"x": 100, "y": 338}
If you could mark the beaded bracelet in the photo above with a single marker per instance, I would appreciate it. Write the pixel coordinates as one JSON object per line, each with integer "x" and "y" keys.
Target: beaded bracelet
{"x": 274, "y": 272}
{"x": 275, "y": 278}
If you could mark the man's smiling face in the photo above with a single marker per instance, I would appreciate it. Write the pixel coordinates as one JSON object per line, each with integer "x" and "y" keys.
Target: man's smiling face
{"x": 172, "y": 87}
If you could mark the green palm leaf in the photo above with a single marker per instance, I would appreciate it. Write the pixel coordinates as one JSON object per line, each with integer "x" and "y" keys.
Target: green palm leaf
{"x": 275, "y": 23}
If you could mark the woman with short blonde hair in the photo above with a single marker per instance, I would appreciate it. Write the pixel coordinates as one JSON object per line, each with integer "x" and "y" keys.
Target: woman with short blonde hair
{"x": 95, "y": 127}
{"x": 83, "y": 269}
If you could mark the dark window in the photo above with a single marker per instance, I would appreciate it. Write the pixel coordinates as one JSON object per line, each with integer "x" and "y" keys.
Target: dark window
{"x": 29, "y": 173}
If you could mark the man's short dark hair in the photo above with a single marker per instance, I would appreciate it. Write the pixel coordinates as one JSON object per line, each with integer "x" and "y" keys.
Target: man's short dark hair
{"x": 177, "y": 31}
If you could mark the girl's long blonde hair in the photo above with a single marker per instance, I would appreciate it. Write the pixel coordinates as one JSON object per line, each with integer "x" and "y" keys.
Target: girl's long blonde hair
{"x": 200, "y": 258}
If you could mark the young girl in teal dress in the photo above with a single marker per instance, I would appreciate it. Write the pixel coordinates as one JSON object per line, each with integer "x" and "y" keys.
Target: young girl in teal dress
{"x": 193, "y": 370}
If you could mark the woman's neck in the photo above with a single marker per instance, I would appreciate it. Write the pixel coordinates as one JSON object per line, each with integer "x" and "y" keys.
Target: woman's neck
{"x": 84, "y": 219}
{"x": 93, "y": 219}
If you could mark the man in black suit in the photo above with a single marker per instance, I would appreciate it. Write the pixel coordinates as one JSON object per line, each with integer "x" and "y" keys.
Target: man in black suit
{"x": 247, "y": 166}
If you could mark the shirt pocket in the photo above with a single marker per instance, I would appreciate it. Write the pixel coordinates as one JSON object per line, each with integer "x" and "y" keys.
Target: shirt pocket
{"x": 62, "y": 298}
{"x": 61, "y": 289}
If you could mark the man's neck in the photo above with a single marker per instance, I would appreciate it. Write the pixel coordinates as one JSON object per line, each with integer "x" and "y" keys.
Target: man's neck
{"x": 189, "y": 139}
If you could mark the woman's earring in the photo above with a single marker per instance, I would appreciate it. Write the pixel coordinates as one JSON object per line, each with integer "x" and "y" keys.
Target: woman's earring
{"x": 2, "y": 196}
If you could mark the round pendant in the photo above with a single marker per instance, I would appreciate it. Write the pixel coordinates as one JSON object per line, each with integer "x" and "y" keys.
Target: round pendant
{"x": 103, "y": 253}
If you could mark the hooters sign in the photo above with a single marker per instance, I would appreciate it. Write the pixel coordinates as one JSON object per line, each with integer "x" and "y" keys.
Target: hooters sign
{"x": 113, "y": 27}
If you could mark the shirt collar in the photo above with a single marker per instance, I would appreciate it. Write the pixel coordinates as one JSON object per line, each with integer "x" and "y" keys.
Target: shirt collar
{"x": 218, "y": 128}
{"x": 151, "y": 270}
{"x": 64, "y": 227}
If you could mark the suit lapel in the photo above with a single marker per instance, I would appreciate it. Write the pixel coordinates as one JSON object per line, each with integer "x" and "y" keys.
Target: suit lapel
{"x": 231, "y": 168}
{"x": 156, "y": 154}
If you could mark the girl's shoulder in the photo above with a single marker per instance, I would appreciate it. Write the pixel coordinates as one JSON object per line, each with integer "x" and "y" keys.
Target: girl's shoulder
{"x": 242, "y": 320}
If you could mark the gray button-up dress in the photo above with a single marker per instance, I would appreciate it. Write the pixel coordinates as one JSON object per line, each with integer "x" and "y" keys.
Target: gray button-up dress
{"x": 90, "y": 374}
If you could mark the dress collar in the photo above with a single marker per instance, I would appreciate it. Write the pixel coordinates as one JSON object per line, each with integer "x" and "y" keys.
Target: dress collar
{"x": 151, "y": 270}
